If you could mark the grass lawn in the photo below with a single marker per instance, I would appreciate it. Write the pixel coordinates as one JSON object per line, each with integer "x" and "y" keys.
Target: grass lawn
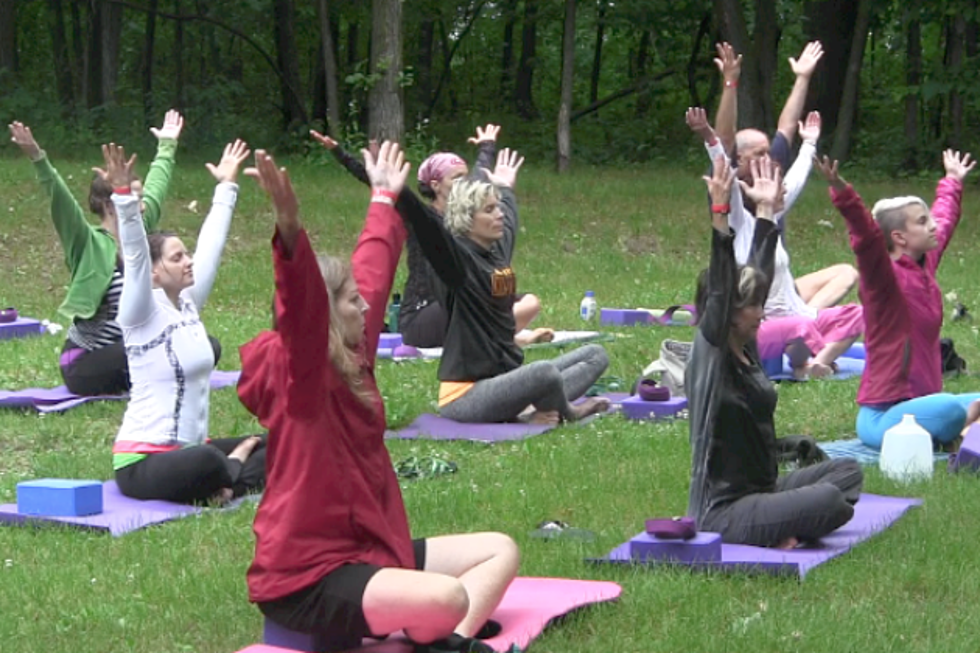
{"x": 637, "y": 237}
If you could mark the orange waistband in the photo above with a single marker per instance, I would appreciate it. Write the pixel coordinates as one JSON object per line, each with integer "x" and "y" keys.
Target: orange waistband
{"x": 450, "y": 391}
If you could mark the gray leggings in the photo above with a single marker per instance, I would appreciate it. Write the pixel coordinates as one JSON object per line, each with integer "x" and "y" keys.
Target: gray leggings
{"x": 807, "y": 504}
{"x": 548, "y": 385}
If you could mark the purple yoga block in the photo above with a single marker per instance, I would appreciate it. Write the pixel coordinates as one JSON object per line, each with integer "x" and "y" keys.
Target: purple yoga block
{"x": 20, "y": 328}
{"x": 968, "y": 457}
{"x": 703, "y": 547}
{"x": 274, "y": 634}
{"x": 636, "y": 408}
{"x": 390, "y": 340}
{"x": 57, "y": 497}
{"x": 624, "y": 316}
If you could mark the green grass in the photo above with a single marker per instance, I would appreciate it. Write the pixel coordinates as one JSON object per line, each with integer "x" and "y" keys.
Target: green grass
{"x": 636, "y": 237}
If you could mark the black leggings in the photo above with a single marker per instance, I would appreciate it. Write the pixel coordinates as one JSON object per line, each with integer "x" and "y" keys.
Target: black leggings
{"x": 105, "y": 371}
{"x": 425, "y": 327}
{"x": 193, "y": 474}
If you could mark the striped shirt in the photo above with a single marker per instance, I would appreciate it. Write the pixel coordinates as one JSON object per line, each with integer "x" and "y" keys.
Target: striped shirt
{"x": 101, "y": 330}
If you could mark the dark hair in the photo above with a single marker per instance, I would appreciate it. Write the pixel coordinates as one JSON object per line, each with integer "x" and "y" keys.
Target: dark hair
{"x": 425, "y": 190}
{"x": 751, "y": 290}
{"x": 156, "y": 241}
{"x": 98, "y": 194}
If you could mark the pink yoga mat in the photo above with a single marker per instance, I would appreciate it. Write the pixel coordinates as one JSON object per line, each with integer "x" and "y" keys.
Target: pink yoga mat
{"x": 527, "y": 608}
{"x": 872, "y": 514}
{"x": 58, "y": 399}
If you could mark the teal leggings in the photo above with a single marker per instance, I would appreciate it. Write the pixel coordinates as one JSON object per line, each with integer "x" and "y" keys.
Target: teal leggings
{"x": 942, "y": 414}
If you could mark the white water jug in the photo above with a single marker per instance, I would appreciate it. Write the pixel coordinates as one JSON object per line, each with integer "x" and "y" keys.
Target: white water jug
{"x": 906, "y": 452}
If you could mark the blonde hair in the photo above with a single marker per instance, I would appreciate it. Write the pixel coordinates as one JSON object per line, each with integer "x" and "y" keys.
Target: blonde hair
{"x": 336, "y": 273}
{"x": 890, "y": 215}
{"x": 465, "y": 199}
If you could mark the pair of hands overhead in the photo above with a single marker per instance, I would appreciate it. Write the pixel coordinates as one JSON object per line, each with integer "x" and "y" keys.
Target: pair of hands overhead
{"x": 958, "y": 166}
{"x": 119, "y": 171}
{"x": 730, "y": 65}
{"x": 766, "y": 189}
{"x": 697, "y": 119}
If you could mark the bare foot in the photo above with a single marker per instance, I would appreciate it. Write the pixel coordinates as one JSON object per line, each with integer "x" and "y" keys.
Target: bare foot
{"x": 590, "y": 406}
{"x": 543, "y": 417}
{"x": 538, "y": 335}
{"x": 788, "y": 543}
{"x": 818, "y": 370}
{"x": 245, "y": 449}
{"x": 223, "y": 496}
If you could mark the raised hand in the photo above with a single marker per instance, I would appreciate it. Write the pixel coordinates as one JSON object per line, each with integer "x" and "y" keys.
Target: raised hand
{"x": 957, "y": 167}
{"x": 807, "y": 63}
{"x": 118, "y": 170}
{"x": 720, "y": 182}
{"x": 386, "y": 168}
{"x": 488, "y": 133}
{"x": 505, "y": 173}
{"x": 275, "y": 182}
{"x": 697, "y": 119}
{"x": 810, "y": 130}
{"x": 830, "y": 172}
{"x": 767, "y": 187}
{"x": 21, "y": 135}
{"x": 227, "y": 169}
{"x": 323, "y": 139}
{"x": 728, "y": 64}
{"x": 173, "y": 124}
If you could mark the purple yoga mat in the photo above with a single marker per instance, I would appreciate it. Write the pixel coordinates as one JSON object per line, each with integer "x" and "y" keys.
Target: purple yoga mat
{"x": 872, "y": 514}
{"x": 119, "y": 516}
{"x": 58, "y": 399}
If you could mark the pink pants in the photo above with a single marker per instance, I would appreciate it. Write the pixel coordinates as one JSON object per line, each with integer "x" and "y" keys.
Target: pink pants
{"x": 791, "y": 335}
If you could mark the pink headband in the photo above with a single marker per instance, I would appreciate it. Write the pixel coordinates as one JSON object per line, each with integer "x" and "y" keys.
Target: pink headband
{"x": 436, "y": 166}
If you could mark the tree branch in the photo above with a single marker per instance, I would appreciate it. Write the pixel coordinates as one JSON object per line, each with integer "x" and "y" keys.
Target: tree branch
{"x": 626, "y": 92}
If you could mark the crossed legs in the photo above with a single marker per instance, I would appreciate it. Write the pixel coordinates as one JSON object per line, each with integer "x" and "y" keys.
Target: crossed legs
{"x": 827, "y": 287}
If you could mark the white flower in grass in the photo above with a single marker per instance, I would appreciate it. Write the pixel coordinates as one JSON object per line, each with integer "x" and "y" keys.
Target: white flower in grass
{"x": 951, "y": 296}
{"x": 8, "y": 563}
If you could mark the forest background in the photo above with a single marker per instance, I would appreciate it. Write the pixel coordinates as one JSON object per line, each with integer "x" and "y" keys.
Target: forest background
{"x": 572, "y": 81}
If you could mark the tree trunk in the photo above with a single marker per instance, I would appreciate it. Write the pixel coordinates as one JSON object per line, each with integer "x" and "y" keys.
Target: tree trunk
{"x": 849, "y": 100}
{"x": 567, "y": 86}
{"x": 293, "y": 111}
{"x": 913, "y": 77}
{"x": 972, "y": 35}
{"x": 8, "y": 36}
{"x": 766, "y": 42}
{"x": 600, "y": 35}
{"x": 640, "y": 72}
{"x": 62, "y": 65}
{"x": 353, "y": 40}
{"x": 509, "y": 11}
{"x": 523, "y": 96}
{"x": 955, "y": 37}
{"x": 148, "y": 43}
{"x": 692, "y": 61}
{"x": 328, "y": 50}
{"x": 385, "y": 118}
{"x": 832, "y": 23}
{"x": 78, "y": 48}
{"x": 449, "y": 53}
{"x": 111, "y": 18}
{"x": 731, "y": 22}
{"x": 93, "y": 60}
{"x": 423, "y": 67}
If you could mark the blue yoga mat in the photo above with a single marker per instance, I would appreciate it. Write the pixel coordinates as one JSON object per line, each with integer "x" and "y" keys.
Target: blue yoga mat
{"x": 861, "y": 452}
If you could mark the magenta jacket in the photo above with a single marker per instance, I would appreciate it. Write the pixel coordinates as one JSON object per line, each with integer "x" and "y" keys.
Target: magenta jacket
{"x": 903, "y": 305}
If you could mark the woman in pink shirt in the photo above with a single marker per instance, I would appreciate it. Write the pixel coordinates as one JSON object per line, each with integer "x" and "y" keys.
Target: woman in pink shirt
{"x": 899, "y": 245}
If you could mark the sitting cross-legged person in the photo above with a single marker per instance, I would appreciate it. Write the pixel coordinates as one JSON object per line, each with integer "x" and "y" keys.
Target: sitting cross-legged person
{"x": 899, "y": 245}
{"x": 735, "y": 488}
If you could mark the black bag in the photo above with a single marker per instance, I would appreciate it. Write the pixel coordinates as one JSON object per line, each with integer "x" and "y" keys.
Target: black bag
{"x": 953, "y": 365}
{"x": 801, "y": 450}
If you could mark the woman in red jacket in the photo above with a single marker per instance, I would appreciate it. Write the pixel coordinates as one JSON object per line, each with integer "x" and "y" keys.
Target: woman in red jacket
{"x": 333, "y": 554}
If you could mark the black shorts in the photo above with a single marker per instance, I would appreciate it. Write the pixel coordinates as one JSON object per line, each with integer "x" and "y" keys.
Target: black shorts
{"x": 332, "y": 607}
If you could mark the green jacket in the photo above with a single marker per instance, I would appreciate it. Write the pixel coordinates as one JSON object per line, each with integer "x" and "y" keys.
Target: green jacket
{"x": 90, "y": 251}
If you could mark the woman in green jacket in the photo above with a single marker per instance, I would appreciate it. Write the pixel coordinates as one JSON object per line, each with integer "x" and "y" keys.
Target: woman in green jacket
{"x": 93, "y": 359}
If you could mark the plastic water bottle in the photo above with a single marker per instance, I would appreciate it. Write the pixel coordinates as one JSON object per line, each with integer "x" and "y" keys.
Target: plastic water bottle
{"x": 906, "y": 452}
{"x": 394, "y": 308}
{"x": 588, "y": 307}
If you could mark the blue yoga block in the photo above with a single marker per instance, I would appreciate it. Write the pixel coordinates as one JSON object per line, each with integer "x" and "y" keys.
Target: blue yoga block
{"x": 275, "y": 635}
{"x": 624, "y": 316}
{"x": 390, "y": 340}
{"x": 20, "y": 328}
{"x": 57, "y": 497}
{"x": 636, "y": 408}
{"x": 703, "y": 547}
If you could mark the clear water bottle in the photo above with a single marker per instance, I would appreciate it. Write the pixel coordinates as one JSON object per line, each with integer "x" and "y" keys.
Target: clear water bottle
{"x": 588, "y": 308}
{"x": 906, "y": 452}
{"x": 394, "y": 308}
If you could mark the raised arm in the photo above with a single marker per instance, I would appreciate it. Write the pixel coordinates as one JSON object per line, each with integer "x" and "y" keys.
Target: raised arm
{"x": 799, "y": 172}
{"x": 302, "y": 303}
{"x": 486, "y": 142}
{"x": 504, "y": 177}
{"x": 766, "y": 193}
{"x": 726, "y": 120}
{"x": 352, "y": 164}
{"x": 715, "y": 319}
{"x": 214, "y": 231}
{"x": 438, "y": 245}
{"x": 380, "y": 244}
{"x": 136, "y": 304}
{"x": 72, "y": 228}
{"x": 158, "y": 178}
{"x": 793, "y": 109}
{"x": 947, "y": 208}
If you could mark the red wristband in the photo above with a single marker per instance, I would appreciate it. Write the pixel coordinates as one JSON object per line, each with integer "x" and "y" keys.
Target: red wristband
{"x": 122, "y": 190}
{"x": 384, "y": 192}
{"x": 731, "y": 83}
{"x": 721, "y": 208}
